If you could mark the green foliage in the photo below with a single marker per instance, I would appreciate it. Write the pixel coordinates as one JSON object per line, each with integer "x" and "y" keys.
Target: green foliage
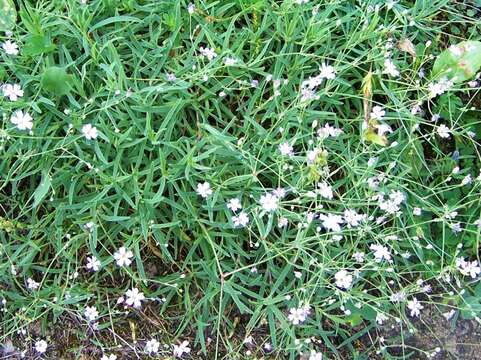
{"x": 460, "y": 62}
{"x": 168, "y": 119}
{"x": 56, "y": 80}
{"x": 8, "y": 15}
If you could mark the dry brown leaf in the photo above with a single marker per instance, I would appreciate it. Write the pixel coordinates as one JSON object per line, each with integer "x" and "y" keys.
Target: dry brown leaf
{"x": 407, "y": 46}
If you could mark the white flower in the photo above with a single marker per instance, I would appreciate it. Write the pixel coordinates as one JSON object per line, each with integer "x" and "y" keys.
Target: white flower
{"x": 123, "y": 257}
{"x": 93, "y": 263}
{"x": 343, "y": 279}
{"x": 91, "y": 313}
{"x": 331, "y": 222}
{"x": 415, "y": 306}
{"x": 377, "y": 113}
{"x": 448, "y": 315}
{"x": 440, "y": 87}
{"x": 325, "y": 190}
{"x": 380, "y": 252}
{"x": 230, "y": 61}
{"x": 286, "y": 149}
{"x": 417, "y": 211}
{"x": 241, "y": 220}
{"x": 443, "y": 131}
{"x": 312, "y": 155}
{"x": 298, "y": 315}
{"x": 300, "y": 2}
{"x": 203, "y": 189}
{"x": 134, "y": 297}
{"x": 470, "y": 268}
{"x": 234, "y": 204}
{"x": 327, "y": 131}
{"x": 279, "y": 192}
{"x": 358, "y": 256}
{"x": 380, "y": 318}
{"x": 23, "y": 121}
{"x": 13, "y": 92}
{"x": 191, "y": 8}
{"x": 41, "y": 346}
{"x": 32, "y": 284}
{"x": 327, "y": 71}
{"x": 397, "y": 297}
{"x": 315, "y": 355}
{"x": 467, "y": 180}
{"x": 89, "y": 227}
{"x": 383, "y": 128}
{"x": 352, "y": 218}
{"x": 109, "y": 357}
{"x": 390, "y": 68}
{"x": 90, "y": 132}
{"x": 269, "y": 202}
{"x": 10, "y": 47}
{"x": 209, "y": 53}
{"x": 152, "y": 346}
{"x": 282, "y": 222}
{"x": 181, "y": 349}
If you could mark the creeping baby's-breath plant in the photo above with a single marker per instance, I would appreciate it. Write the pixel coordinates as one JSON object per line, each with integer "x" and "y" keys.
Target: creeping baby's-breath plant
{"x": 237, "y": 179}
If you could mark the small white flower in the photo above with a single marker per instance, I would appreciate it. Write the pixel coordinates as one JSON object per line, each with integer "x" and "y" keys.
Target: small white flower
{"x": 191, "y": 8}
{"x": 152, "y": 346}
{"x": 286, "y": 149}
{"x": 377, "y": 113}
{"x": 314, "y": 355}
{"x": 468, "y": 268}
{"x": 123, "y": 257}
{"x": 13, "y": 92}
{"x": 109, "y": 357}
{"x": 383, "y": 128}
{"x": 181, "y": 349}
{"x": 327, "y": 71}
{"x": 90, "y": 132}
{"x": 91, "y": 313}
{"x": 467, "y": 180}
{"x": 380, "y": 318}
{"x": 10, "y": 47}
{"x": 230, "y": 61}
{"x": 41, "y": 346}
{"x": 32, "y": 284}
{"x": 241, "y": 220}
{"x": 234, "y": 204}
{"x": 359, "y": 256}
{"x": 390, "y": 68}
{"x": 298, "y": 315}
{"x": 417, "y": 211}
{"x": 282, "y": 222}
{"x": 93, "y": 263}
{"x": 134, "y": 298}
{"x": 203, "y": 189}
{"x": 380, "y": 252}
{"x": 343, "y": 279}
{"x": 328, "y": 130}
{"x": 325, "y": 190}
{"x": 23, "y": 121}
{"x": 415, "y": 306}
{"x": 312, "y": 155}
{"x": 269, "y": 202}
{"x": 209, "y": 53}
{"x": 443, "y": 131}
{"x": 352, "y": 218}
{"x": 331, "y": 222}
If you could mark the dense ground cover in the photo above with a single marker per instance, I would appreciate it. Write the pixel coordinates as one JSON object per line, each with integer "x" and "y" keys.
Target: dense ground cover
{"x": 238, "y": 179}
